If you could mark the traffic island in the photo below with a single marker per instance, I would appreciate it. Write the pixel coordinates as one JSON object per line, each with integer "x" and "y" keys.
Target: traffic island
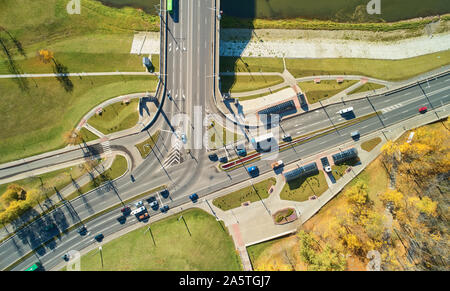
{"x": 284, "y": 216}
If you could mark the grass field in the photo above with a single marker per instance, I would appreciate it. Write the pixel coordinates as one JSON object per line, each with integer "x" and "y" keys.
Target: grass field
{"x": 235, "y": 199}
{"x": 210, "y": 248}
{"x": 116, "y": 117}
{"x": 302, "y": 188}
{"x": 324, "y": 90}
{"x": 146, "y": 146}
{"x": 251, "y": 65}
{"x": 366, "y": 87}
{"x": 218, "y": 136}
{"x": 87, "y": 135}
{"x": 370, "y": 144}
{"x": 33, "y": 121}
{"x": 390, "y": 70}
{"x": 236, "y": 84}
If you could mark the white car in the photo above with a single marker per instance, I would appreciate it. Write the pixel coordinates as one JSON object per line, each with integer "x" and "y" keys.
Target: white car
{"x": 139, "y": 204}
{"x": 183, "y": 138}
{"x": 346, "y": 110}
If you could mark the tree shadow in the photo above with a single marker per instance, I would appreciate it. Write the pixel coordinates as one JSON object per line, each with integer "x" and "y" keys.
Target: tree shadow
{"x": 11, "y": 64}
{"x": 236, "y": 14}
{"x": 62, "y": 72}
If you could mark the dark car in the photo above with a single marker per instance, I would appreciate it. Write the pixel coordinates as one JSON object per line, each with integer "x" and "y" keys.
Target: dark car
{"x": 132, "y": 178}
{"x": 164, "y": 193}
{"x": 144, "y": 216}
{"x": 126, "y": 210}
{"x": 194, "y": 197}
{"x": 82, "y": 230}
{"x": 153, "y": 203}
{"x": 164, "y": 209}
{"x": 423, "y": 109}
{"x": 122, "y": 219}
{"x": 223, "y": 159}
{"x": 66, "y": 257}
{"x": 99, "y": 237}
{"x": 287, "y": 138}
{"x": 242, "y": 152}
{"x": 213, "y": 157}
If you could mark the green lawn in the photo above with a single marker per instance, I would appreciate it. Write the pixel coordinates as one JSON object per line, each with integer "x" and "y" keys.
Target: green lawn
{"x": 87, "y": 135}
{"x": 219, "y": 135}
{"x": 210, "y": 248}
{"x": 339, "y": 170}
{"x": 34, "y": 121}
{"x": 236, "y": 84}
{"x": 324, "y": 90}
{"x": 390, "y": 70}
{"x": 146, "y": 146}
{"x": 251, "y": 65}
{"x": 116, "y": 117}
{"x": 117, "y": 169}
{"x": 236, "y": 198}
{"x": 366, "y": 87}
{"x": 302, "y": 188}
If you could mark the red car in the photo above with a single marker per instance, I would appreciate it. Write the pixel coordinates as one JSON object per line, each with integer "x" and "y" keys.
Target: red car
{"x": 423, "y": 109}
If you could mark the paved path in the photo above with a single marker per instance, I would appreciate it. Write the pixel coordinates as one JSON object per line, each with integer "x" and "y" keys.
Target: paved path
{"x": 52, "y": 75}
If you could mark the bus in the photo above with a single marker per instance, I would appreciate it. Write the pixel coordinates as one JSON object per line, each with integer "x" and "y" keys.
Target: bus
{"x": 169, "y": 5}
{"x": 36, "y": 266}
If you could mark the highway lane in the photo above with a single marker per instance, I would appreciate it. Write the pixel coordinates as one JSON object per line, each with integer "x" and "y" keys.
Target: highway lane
{"x": 304, "y": 150}
{"x": 102, "y": 198}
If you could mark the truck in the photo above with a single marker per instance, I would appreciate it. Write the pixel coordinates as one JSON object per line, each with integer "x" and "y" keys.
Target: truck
{"x": 346, "y": 110}
{"x": 277, "y": 164}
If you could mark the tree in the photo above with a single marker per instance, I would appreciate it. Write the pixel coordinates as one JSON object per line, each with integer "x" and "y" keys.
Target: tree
{"x": 393, "y": 196}
{"x": 46, "y": 56}
{"x": 72, "y": 137}
{"x": 424, "y": 205}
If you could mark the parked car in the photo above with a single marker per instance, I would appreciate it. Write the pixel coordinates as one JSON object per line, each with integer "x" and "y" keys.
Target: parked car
{"x": 99, "y": 237}
{"x": 193, "y": 197}
{"x": 326, "y": 164}
{"x": 423, "y": 109}
{"x": 164, "y": 209}
{"x": 139, "y": 204}
{"x": 223, "y": 159}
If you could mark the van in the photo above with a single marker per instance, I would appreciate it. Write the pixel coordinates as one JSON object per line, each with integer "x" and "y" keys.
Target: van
{"x": 346, "y": 110}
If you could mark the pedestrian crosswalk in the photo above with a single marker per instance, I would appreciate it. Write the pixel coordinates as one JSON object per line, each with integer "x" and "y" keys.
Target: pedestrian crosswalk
{"x": 106, "y": 147}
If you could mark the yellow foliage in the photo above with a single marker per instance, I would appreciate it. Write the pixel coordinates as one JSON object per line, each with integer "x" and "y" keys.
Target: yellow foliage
{"x": 393, "y": 196}
{"x": 424, "y": 205}
{"x": 352, "y": 242}
{"x": 45, "y": 55}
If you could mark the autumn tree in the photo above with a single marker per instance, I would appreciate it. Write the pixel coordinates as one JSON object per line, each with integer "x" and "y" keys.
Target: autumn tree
{"x": 46, "y": 55}
{"x": 72, "y": 137}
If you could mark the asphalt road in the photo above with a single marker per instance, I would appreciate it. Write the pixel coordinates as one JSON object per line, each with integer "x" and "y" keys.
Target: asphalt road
{"x": 395, "y": 107}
